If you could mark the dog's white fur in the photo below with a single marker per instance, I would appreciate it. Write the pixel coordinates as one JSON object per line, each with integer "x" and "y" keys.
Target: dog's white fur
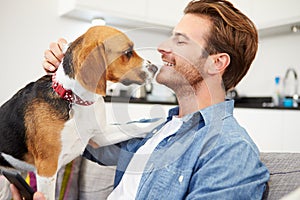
{"x": 86, "y": 123}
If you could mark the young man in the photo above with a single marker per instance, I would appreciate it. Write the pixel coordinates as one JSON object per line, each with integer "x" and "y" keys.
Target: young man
{"x": 200, "y": 152}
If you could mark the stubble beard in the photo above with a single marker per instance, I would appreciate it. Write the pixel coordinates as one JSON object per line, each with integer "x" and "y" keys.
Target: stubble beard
{"x": 182, "y": 79}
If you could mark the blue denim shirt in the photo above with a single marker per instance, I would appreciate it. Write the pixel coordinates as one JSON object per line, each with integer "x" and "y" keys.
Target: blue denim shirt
{"x": 210, "y": 157}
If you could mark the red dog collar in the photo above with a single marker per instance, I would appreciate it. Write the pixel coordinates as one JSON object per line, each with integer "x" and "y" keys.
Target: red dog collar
{"x": 68, "y": 94}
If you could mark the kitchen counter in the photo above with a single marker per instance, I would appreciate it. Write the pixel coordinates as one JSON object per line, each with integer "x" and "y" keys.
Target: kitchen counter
{"x": 118, "y": 99}
{"x": 240, "y": 102}
{"x": 260, "y": 102}
{"x": 273, "y": 129}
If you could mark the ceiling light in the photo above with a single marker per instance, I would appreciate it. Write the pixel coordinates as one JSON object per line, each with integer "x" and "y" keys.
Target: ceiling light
{"x": 98, "y": 21}
{"x": 295, "y": 28}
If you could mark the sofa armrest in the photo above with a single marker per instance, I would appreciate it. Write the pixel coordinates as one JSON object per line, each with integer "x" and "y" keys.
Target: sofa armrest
{"x": 284, "y": 171}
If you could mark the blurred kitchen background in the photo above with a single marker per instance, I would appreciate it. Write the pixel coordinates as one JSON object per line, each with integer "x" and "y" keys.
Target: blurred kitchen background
{"x": 27, "y": 28}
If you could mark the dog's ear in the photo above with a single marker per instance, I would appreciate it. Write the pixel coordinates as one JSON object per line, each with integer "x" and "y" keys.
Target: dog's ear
{"x": 92, "y": 70}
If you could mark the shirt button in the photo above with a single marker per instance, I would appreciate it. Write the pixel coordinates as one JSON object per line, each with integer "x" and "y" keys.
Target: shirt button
{"x": 180, "y": 179}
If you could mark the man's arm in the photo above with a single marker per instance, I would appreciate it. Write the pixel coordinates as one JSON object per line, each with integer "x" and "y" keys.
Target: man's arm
{"x": 107, "y": 155}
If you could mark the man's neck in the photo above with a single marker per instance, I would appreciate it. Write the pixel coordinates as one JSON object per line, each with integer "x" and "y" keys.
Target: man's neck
{"x": 198, "y": 97}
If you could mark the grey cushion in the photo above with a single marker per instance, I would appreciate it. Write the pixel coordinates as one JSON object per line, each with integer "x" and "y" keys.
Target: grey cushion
{"x": 284, "y": 171}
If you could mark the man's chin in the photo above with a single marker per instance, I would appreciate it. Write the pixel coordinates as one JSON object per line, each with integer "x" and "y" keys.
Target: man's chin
{"x": 160, "y": 78}
{"x": 165, "y": 81}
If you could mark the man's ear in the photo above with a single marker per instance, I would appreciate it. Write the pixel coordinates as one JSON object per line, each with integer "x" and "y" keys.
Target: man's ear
{"x": 92, "y": 71}
{"x": 219, "y": 63}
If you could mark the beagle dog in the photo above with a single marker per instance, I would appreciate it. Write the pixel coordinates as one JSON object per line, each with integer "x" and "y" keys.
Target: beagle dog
{"x": 50, "y": 122}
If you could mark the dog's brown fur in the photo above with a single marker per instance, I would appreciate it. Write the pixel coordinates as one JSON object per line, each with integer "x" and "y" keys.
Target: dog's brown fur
{"x": 38, "y": 115}
{"x": 43, "y": 141}
{"x": 111, "y": 44}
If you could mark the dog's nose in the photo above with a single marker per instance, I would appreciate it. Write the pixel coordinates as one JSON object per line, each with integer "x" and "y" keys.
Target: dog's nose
{"x": 151, "y": 68}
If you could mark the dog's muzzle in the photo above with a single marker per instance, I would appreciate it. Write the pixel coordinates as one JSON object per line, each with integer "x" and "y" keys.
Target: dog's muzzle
{"x": 151, "y": 69}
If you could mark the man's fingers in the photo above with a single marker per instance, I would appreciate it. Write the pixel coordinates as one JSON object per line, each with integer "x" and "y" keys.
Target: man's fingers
{"x": 62, "y": 43}
{"x": 54, "y": 55}
{"x": 48, "y": 67}
{"x": 52, "y": 58}
{"x": 56, "y": 51}
{"x": 15, "y": 192}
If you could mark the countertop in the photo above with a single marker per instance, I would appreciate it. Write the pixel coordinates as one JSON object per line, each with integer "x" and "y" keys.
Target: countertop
{"x": 240, "y": 102}
{"x": 260, "y": 103}
{"x": 118, "y": 99}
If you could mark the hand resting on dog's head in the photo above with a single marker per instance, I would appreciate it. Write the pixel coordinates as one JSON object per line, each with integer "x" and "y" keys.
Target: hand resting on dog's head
{"x": 54, "y": 55}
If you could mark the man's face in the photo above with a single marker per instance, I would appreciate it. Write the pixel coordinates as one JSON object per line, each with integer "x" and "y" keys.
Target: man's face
{"x": 183, "y": 53}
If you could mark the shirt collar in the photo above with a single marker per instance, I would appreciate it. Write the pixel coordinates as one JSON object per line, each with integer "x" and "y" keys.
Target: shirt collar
{"x": 215, "y": 112}
{"x": 218, "y": 111}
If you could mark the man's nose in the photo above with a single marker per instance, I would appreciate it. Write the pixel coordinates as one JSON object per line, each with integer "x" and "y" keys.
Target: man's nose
{"x": 164, "y": 47}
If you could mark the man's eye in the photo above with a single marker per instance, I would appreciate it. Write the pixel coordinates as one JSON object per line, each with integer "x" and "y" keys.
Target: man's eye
{"x": 180, "y": 42}
{"x": 128, "y": 53}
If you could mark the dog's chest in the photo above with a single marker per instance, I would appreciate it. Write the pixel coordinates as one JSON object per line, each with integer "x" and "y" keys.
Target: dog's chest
{"x": 83, "y": 124}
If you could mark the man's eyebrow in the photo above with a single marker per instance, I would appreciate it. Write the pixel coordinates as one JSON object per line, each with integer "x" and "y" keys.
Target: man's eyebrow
{"x": 181, "y": 34}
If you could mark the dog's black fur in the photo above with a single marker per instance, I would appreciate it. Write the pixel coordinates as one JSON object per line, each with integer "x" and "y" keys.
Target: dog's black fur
{"x": 12, "y": 122}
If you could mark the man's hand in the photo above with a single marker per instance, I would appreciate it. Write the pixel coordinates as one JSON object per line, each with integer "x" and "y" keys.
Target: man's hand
{"x": 54, "y": 55}
{"x": 16, "y": 195}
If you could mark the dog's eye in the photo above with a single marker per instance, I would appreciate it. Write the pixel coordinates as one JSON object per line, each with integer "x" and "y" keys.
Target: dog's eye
{"x": 128, "y": 53}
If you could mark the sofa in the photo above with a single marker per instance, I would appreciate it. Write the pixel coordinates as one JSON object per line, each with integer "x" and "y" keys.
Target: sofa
{"x": 284, "y": 171}
{"x": 284, "y": 178}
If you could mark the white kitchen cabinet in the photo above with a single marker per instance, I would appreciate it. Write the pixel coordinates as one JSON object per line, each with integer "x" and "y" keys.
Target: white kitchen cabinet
{"x": 129, "y": 9}
{"x": 130, "y": 13}
{"x": 272, "y": 13}
{"x": 166, "y": 12}
{"x": 291, "y": 131}
{"x": 264, "y": 127}
{"x": 117, "y": 112}
{"x": 272, "y": 130}
{"x": 148, "y": 12}
{"x": 271, "y": 16}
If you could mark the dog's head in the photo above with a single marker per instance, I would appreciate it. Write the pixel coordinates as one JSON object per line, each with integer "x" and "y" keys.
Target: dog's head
{"x": 105, "y": 53}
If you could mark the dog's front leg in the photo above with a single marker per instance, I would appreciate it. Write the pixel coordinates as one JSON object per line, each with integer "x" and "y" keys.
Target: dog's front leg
{"x": 104, "y": 134}
{"x": 46, "y": 185}
{"x": 107, "y": 134}
{"x": 46, "y": 173}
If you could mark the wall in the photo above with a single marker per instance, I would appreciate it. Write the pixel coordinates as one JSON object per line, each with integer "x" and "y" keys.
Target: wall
{"x": 275, "y": 55}
{"x": 27, "y": 28}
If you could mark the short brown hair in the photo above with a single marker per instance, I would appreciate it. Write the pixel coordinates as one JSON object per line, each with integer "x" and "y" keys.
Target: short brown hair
{"x": 232, "y": 32}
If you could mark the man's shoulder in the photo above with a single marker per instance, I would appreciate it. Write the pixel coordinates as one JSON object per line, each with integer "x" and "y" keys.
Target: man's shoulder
{"x": 226, "y": 136}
